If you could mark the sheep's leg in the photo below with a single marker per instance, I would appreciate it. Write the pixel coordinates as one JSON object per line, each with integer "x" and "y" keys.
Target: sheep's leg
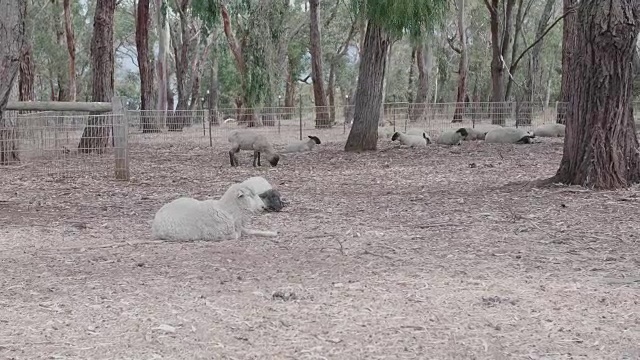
{"x": 256, "y": 155}
{"x": 247, "y": 231}
{"x": 232, "y": 156}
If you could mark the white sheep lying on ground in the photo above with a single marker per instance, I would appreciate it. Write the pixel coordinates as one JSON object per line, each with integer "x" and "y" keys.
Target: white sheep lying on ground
{"x": 508, "y": 136}
{"x": 479, "y": 132}
{"x": 249, "y": 140}
{"x": 452, "y": 137}
{"x": 550, "y": 130}
{"x": 411, "y": 140}
{"x": 270, "y": 196}
{"x": 302, "y": 146}
{"x": 188, "y": 219}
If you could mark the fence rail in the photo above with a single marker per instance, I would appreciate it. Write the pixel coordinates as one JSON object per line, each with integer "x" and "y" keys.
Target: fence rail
{"x": 72, "y": 142}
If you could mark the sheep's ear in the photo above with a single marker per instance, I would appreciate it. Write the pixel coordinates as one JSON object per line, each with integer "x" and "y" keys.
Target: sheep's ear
{"x": 240, "y": 194}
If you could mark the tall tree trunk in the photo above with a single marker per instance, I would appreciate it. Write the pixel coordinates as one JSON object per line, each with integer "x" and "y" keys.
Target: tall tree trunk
{"x": 601, "y": 148}
{"x": 384, "y": 86}
{"x": 290, "y": 91}
{"x": 422, "y": 92}
{"x": 499, "y": 49}
{"x": 331, "y": 92}
{"x": 532, "y": 86}
{"x": 214, "y": 91}
{"x": 319, "y": 94}
{"x": 71, "y": 48}
{"x": 364, "y": 132}
{"x": 521, "y": 14}
{"x": 27, "y": 68}
{"x": 568, "y": 50}
{"x": 463, "y": 65}
{"x": 96, "y": 134}
{"x": 62, "y": 76}
{"x": 411, "y": 74}
{"x": 161, "y": 61}
{"x": 12, "y": 37}
{"x": 143, "y": 23}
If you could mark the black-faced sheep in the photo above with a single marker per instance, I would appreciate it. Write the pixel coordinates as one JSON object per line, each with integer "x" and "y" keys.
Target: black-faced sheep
{"x": 550, "y": 130}
{"x": 508, "y": 136}
{"x": 270, "y": 196}
{"x": 302, "y": 146}
{"x": 452, "y": 137}
{"x": 249, "y": 140}
{"x": 411, "y": 140}
{"x": 188, "y": 219}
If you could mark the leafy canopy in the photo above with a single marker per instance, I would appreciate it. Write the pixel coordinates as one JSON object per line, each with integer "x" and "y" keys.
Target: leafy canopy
{"x": 398, "y": 17}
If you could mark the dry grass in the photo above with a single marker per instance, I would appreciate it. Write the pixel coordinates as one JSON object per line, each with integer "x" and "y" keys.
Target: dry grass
{"x": 431, "y": 253}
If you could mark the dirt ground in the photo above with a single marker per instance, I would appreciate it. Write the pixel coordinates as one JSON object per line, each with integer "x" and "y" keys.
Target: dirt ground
{"x": 436, "y": 253}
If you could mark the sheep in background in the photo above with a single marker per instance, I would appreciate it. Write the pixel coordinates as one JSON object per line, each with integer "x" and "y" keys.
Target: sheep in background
{"x": 385, "y": 132}
{"x": 509, "y": 136}
{"x": 418, "y": 132}
{"x": 249, "y": 140}
{"x": 411, "y": 140}
{"x": 188, "y": 219}
{"x": 479, "y": 132}
{"x": 549, "y": 130}
{"x": 270, "y": 196}
{"x": 451, "y": 137}
{"x": 302, "y": 146}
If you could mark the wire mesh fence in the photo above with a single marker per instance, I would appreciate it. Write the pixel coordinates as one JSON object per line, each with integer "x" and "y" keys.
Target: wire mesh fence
{"x": 61, "y": 144}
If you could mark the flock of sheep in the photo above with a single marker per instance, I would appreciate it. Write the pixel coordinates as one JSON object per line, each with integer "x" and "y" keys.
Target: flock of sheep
{"x": 188, "y": 219}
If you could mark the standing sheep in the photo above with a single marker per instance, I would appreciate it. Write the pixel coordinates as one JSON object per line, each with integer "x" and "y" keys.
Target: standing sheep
{"x": 508, "y": 136}
{"x": 270, "y": 196}
{"x": 450, "y": 137}
{"x": 411, "y": 140}
{"x": 249, "y": 140}
{"x": 302, "y": 146}
{"x": 188, "y": 219}
{"x": 550, "y": 130}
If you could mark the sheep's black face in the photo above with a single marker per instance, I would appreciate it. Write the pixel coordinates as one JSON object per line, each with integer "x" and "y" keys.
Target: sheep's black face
{"x": 395, "y": 136}
{"x": 525, "y": 140}
{"x": 274, "y": 160}
{"x": 315, "y": 139}
{"x": 272, "y": 200}
{"x": 463, "y": 132}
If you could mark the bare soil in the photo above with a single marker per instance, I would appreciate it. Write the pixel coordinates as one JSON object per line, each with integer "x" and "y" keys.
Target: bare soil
{"x": 439, "y": 253}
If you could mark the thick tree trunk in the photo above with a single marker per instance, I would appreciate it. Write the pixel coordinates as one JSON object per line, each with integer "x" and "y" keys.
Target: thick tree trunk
{"x": 331, "y": 92}
{"x": 27, "y": 68}
{"x": 143, "y": 23}
{"x": 214, "y": 92}
{"x": 568, "y": 50}
{"x": 463, "y": 65}
{"x": 289, "y": 93}
{"x": 364, "y": 132}
{"x": 71, "y": 48}
{"x": 162, "y": 72}
{"x": 12, "y": 38}
{"x": 411, "y": 75}
{"x": 520, "y": 16}
{"x": 499, "y": 49}
{"x": 96, "y": 134}
{"x": 422, "y": 93}
{"x": 62, "y": 76}
{"x": 601, "y": 148}
{"x": 319, "y": 94}
{"x": 534, "y": 78}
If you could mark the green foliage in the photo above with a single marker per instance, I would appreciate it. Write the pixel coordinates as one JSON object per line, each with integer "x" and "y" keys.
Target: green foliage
{"x": 398, "y": 17}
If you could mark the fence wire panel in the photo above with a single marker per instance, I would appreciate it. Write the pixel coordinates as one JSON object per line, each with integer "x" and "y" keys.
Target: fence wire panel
{"x": 59, "y": 144}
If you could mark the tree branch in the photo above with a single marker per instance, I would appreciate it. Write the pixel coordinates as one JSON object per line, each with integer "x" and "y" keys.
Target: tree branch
{"x": 333, "y": 14}
{"x": 305, "y": 80}
{"x": 231, "y": 39}
{"x": 452, "y": 45}
{"x": 515, "y": 63}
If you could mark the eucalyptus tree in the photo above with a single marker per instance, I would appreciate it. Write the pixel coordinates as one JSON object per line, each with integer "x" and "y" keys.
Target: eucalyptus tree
{"x": 385, "y": 19}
